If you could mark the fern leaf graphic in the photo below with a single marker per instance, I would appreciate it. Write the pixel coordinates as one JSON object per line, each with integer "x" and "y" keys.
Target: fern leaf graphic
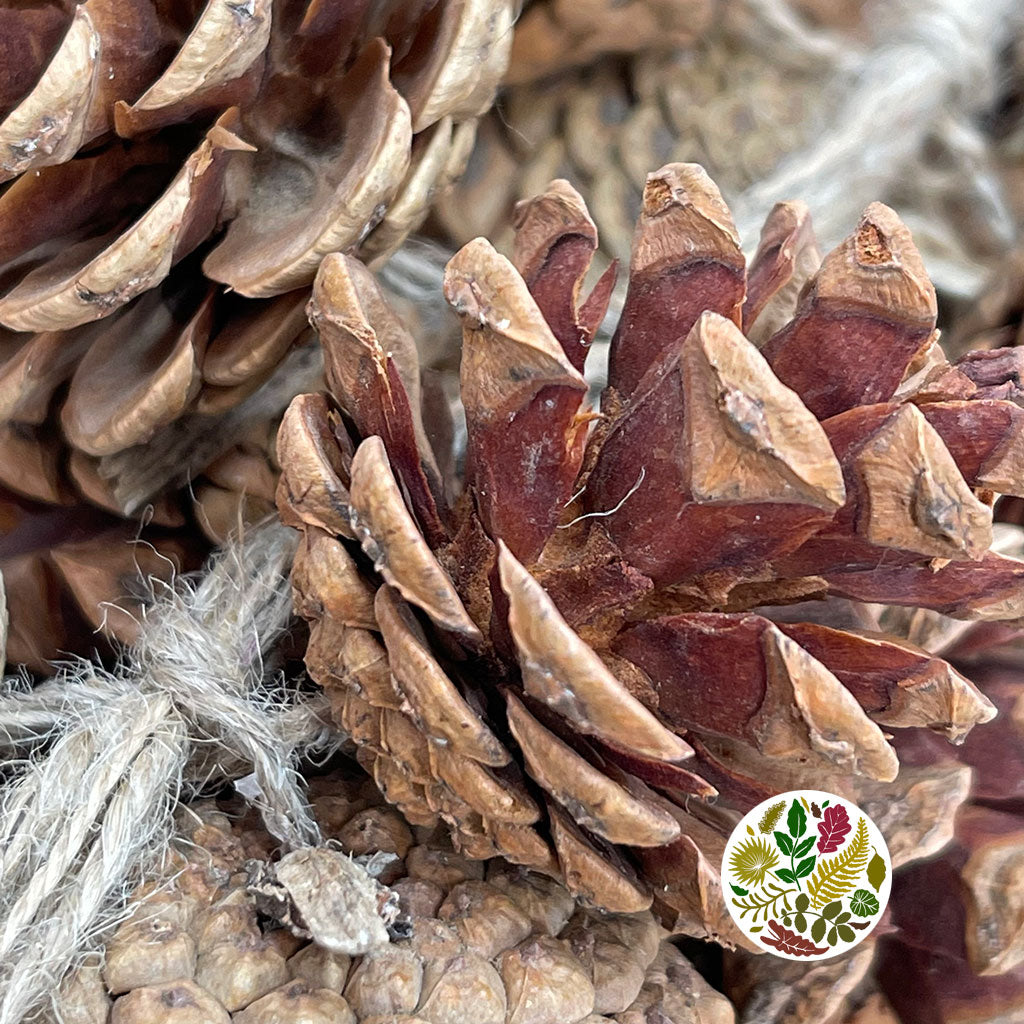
{"x": 764, "y": 902}
{"x": 771, "y": 817}
{"x": 837, "y": 875}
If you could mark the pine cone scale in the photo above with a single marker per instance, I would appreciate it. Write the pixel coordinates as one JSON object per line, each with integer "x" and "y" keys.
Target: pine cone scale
{"x": 163, "y": 151}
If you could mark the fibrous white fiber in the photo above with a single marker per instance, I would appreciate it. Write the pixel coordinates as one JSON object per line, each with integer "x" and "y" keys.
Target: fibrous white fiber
{"x": 95, "y": 760}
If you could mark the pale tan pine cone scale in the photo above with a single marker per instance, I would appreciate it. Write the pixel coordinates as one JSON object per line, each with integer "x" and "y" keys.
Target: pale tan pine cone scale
{"x": 174, "y": 172}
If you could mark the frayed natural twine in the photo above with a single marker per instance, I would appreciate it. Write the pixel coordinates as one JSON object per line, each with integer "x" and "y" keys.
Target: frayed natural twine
{"x": 95, "y": 760}
{"x": 926, "y": 80}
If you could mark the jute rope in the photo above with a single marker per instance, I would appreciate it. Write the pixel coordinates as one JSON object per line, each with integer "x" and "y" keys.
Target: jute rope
{"x": 930, "y": 73}
{"x": 94, "y": 761}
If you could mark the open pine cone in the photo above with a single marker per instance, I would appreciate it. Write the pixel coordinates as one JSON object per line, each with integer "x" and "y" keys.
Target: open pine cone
{"x": 566, "y": 661}
{"x": 556, "y": 34}
{"x": 170, "y": 176}
{"x": 304, "y": 130}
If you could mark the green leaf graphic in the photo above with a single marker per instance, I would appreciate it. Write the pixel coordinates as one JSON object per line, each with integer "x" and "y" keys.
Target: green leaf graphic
{"x": 784, "y": 843}
{"x": 766, "y": 901}
{"x": 818, "y": 929}
{"x": 805, "y": 867}
{"x": 876, "y": 871}
{"x": 800, "y": 922}
{"x": 757, "y": 928}
{"x": 846, "y": 933}
{"x": 833, "y": 936}
{"x": 802, "y": 902}
{"x": 832, "y": 909}
{"x": 836, "y": 876}
{"x": 771, "y": 817}
{"x": 864, "y": 903}
{"x": 736, "y": 889}
{"x": 751, "y": 860}
{"x": 796, "y": 820}
{"x": 804, "y": 846}
{"x": 786, "y": 875}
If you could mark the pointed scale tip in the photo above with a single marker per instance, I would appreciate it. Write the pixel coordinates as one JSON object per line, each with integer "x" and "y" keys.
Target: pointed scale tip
{"x": 565, "y": 673}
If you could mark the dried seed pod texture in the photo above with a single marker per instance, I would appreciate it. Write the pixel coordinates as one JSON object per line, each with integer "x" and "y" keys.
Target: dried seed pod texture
{"x": 226, "y": 935}
{"x": 601, "y": 629}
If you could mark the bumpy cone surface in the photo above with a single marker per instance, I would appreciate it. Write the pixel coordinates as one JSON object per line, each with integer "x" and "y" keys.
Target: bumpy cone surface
{"x": 225, "y": 937}
{"x": 566, "y": 661}
{"x": 171, "y": 175}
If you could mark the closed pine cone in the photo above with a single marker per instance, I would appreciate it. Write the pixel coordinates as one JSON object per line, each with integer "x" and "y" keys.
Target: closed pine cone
{"x": 564, "y": 662}
{"x": 472, "y": 943}
{"x": 759, "y": 91}
{"x": 723, "y": 99}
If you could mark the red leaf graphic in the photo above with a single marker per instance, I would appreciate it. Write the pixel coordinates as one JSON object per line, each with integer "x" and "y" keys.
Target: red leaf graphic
{"x": 789, "y": 942}
{"x": 833, "y": 828}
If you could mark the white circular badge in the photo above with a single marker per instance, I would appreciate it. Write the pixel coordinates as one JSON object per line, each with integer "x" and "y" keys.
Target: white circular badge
{"x": 806, "y": 875}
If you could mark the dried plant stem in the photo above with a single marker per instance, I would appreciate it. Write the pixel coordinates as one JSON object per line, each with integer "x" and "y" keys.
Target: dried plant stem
{"x": 97, "y": 759}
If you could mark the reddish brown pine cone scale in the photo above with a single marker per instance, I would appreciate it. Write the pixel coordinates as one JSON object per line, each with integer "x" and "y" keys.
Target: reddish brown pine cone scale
{"x": 564, "y": 662}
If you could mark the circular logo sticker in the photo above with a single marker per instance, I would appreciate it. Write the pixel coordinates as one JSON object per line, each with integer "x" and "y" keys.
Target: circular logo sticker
{"x": 806, "y": 875}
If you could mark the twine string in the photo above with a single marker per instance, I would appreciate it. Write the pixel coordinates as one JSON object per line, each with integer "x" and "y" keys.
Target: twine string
{"x": 95, "y": 760}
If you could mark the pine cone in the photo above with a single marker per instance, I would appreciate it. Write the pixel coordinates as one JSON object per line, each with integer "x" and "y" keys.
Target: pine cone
{"x": 954, "y": 949}
{"x": 553, "y": 35}
{"x": 236, "y": 141}
{"x": 541, "y": 663}
{"x": 75, "y": 577}
{"x": 758, "y": 95}
{"x": 512, "y": 949}
{"x": 724, "y": 102}
{"x": 77, "y": 574}
{"x": 916, "y": 814}
{"x": 174, "y": 174}
{"x": 959, "y": 946}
